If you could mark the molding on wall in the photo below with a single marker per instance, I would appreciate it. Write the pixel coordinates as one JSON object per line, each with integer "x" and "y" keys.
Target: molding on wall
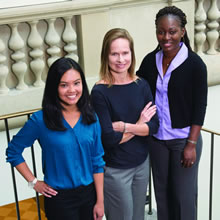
{"x": 51, "y": 10}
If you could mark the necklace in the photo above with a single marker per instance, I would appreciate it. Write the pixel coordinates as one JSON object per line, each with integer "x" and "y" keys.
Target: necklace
{"x": 167, "y": 64}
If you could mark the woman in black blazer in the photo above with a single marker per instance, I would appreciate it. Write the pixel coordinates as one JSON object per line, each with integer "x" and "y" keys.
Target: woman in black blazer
{"x": 178, "y": 80}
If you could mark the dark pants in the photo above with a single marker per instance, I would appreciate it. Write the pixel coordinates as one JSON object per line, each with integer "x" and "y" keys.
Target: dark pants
{"x": 175, "y": 187}
{"x": 71, "y": 204}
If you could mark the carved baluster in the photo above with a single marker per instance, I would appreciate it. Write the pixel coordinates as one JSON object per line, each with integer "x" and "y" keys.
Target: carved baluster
{"x": 69, "y": 37}
{"x": 200, "y": 18}
{"x": 37, "y": 64}
{"x": 212, "y": 34}
{"x": 3, "y": 70}
{"x": 19, "y": 68}
{"x": 52, "y": 39}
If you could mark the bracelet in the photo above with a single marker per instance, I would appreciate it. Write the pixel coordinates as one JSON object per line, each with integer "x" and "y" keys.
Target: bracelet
{"x": 124, "y": 130}
{"x": 31, "y": 184}
{"x": 192, "y": 142}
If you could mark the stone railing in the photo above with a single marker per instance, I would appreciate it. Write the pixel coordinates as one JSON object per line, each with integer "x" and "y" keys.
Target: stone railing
{"x": 28, "y": 47}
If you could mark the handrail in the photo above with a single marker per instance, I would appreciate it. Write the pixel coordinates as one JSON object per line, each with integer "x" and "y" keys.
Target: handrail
{"x": 18, "y": 114}
{"x": 31, "y": 111}
{"x": 210, "y": 131}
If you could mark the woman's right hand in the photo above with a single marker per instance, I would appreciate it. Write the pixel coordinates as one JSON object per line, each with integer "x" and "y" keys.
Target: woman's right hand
{"x": 147, "y": 113}
{"x": 44, "y": 189}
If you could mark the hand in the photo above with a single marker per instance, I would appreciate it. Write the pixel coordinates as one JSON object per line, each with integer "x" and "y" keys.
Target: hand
{"x": 189, "y": 155}
{"x": 147, "y": 113}
{"x": 98, "y": 211}
{"x": 44, "y": 189}
{"x": 118, "y": 126}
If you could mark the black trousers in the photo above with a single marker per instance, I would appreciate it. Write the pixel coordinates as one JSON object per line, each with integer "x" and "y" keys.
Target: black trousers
{"x": 175, "y": 186}
{"x": 71, "y": 204}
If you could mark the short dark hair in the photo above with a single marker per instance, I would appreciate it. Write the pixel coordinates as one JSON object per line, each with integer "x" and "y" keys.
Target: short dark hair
{"x": 177, "y": 12}
{"x": 52, "y": 108}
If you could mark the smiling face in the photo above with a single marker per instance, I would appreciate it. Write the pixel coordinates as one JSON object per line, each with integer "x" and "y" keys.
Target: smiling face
{"x": 119, "y": 56}
{"x": 70, "y": 88}
{"x": 169, "y": 33}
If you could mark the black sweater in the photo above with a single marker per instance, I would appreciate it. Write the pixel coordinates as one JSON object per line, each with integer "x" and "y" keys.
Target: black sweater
{"x": 123, "y": 103}
{"x": 187, "y": 89}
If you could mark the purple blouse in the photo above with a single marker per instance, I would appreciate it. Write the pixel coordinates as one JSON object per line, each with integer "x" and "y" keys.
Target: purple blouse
{"x": 165, "y": 131}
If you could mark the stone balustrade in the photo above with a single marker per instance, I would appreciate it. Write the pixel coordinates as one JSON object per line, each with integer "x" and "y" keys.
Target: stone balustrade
{"x": 28, "y": 57}
{"x": 207, "y": 27}
{"x": 31, "y": 39}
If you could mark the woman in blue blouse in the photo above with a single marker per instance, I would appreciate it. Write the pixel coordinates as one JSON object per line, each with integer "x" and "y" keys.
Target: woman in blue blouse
{"x": 69, "y": 134}
{"x": 122, "y": 101}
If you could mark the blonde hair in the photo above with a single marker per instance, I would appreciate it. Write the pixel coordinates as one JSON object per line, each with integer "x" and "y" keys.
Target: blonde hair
{"x": 110, "y": 36}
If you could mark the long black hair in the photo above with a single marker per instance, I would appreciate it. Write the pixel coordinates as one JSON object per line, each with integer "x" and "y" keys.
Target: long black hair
{"x": 173, "y": 10}
{"x": 52, "y": 108}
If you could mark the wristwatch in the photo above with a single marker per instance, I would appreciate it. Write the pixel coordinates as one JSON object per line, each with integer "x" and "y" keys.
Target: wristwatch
{"x": 31, "y": 184}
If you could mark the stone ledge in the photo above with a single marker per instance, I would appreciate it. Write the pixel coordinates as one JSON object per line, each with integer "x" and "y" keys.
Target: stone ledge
{"x": 70, "y": 8}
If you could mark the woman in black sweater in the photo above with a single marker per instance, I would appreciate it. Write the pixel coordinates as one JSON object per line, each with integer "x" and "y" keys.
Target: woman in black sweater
{"x": 178, "y": 80}
{"x": 122, "y": 102}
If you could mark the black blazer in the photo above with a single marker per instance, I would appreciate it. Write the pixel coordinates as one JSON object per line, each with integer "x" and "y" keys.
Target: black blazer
{"x": 187, "y": 88}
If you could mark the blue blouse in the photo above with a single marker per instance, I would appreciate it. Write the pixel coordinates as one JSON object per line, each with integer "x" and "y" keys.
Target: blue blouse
{"x": 69, "y": 158}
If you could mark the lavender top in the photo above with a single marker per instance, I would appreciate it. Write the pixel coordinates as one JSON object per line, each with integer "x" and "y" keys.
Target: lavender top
{"x": 165, "y": 131}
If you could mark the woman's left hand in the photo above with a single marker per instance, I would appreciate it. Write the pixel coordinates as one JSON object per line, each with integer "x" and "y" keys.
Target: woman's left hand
{"x": 189, "y": 155}
{"x": 147, "y": 113}
{"x": 98, "y": 211}
{"x": 44, "y": 189}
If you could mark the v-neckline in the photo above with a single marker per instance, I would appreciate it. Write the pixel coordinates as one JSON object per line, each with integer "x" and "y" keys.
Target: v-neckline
{"x": 75, "y": 123}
